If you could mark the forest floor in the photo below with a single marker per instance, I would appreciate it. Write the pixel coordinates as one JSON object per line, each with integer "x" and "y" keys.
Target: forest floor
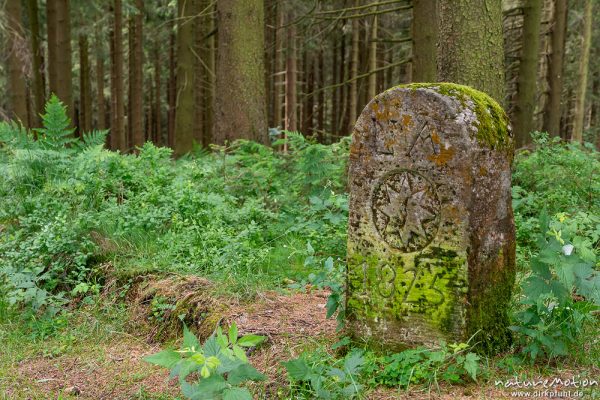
{"x": 98, "y": 352}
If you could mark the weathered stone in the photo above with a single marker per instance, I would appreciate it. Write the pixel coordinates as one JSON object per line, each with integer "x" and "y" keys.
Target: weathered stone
{"x": 431, "y": 242}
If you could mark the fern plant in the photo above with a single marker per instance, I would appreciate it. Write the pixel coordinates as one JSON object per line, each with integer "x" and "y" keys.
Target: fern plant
{"x": 55, "y": 133}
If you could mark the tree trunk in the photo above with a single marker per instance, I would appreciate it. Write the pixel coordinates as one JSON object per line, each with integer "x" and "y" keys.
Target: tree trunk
{"x": 424, "y": 41}
{"x": 157, "y": 96}
{"x": 278, "y": 76}
{"x": 240, "y": 103}
{"x": 199, "y": 71}
{"x": 335, "y": 79}
{"x": 523, "y": 119}
{"x": 372, "y": 87}
{"x": 321, "y": 104}
{"x": 470, "y": 45}
{"x": 59, "y": 52}
{"x": 16, "y": 85}
{"x": 209, "y": 97}
{"x": 101, "y": 121}
{"x": 290, "y": 80}
{"x": 118, "y": 136}
{"x": 184, "y": 116}
{"x": 136, "y": 104}
{"x": 171, "y": 92}
{"x": 85, "y": 89}
{"x": 353, "y": 98}
{"x": 584, "y": 61}
{"x": 39, "y": 91}
{"x": 554, "y": 105}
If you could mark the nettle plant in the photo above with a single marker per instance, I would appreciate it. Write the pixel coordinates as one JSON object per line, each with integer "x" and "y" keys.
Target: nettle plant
{"x": 562, "y": 289}
{"x": 218, "y": 367}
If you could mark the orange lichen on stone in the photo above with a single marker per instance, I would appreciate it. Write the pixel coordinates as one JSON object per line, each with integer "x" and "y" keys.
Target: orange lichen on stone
{"x": 407, "y": 121}
{"x": 443, "y": 157}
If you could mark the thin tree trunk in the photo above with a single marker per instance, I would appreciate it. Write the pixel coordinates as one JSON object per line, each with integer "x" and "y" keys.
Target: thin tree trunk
{"x": 321, "y": 104}
{"x": 372, "y": 88}
{"x": 554, "y": 105}
{"x": 136, "y": 104}
{"x": 335, "y": 79}
{"x": 51, "y": 32}
{"x": 16, "y": 88}
{"x": 209, "y": 98}
{"x": 157, "y": 96}
{"x": 199, "y": 72}
{"x": 171, "y": 92}
{"x": 584, "y": 61}
{"x": 39, "y": 92}
{"x": 353, "y": 99}
{"x": 523, "y": 119}
{"x": 184, "y": 117}
{"x": 290, "y": 80}
{"x": 278, "y": 77}
{"x": 424, "y": 41}
{"x": 118, "y": 136}
{"x": 470, "y": 45}
{"x": 101, "y": 121}
{"x": 85, "y": 89}
{"x": 63, "y": 86}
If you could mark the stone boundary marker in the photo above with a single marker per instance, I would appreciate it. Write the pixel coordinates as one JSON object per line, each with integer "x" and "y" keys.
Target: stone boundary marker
{"x": 431, "y": 241}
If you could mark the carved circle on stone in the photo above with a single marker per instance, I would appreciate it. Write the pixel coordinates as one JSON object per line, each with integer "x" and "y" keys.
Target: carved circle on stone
{"x": 406, "y": 210}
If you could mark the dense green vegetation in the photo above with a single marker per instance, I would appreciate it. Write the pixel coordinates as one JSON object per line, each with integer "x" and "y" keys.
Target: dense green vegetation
{"x": 75, "y": 215}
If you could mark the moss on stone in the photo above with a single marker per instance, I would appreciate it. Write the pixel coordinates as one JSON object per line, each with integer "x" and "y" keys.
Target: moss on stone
{"x": 493, "y": 123}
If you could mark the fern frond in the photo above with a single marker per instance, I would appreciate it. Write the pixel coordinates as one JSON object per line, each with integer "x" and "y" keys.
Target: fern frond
{"x": 15, "y": 135}
{"x": 91, "y": 139}
{"x": 55, "y": 134}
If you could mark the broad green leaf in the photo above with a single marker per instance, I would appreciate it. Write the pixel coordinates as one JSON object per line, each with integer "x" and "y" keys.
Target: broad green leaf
{"x": 332, "y": 304}
{"x": 353, "y": 362}
{"x": 250, "y": 340}
{"x": 244, "y": 372}
{"x": 240, "y": 353}
{"x": 233, "y": 333}
{"x": 297, "y": 369}
{"x": 471, "y": 365}
{"x": 236, "y": 393}
{"x": 211, "y": 347}
{"x": 190, "y": 341}
{"x": 165, "y": 358}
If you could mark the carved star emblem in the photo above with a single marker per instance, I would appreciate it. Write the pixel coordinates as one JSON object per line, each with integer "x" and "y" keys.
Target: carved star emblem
{"x": 406, "y": 207}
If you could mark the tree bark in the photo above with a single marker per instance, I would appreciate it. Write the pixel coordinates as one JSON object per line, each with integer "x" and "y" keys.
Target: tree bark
{"x": 372, "y": 87}
{"x": 584, "y": 61}
{"x": 290, "y": 80}
{"x": 16, "y": 79}
{"x": 353, "y": 97}
{"x": 85, "y": 89}
{"x": 158, "y": 140}
{"x": 424, "y": 41}
{"x": 101, "y": 121}
{"x": 171, "y": 92}
{"x": 199, "y": 71}
{"x": 278, "y": 77}
{"x": 59, "y": 52}
{"x": 136, "y": 103}
{"x": 523, "y": 119}
{"x": 184, "y": 117}
{"x": 117, "y": 132}
{"x": 39, "y": 90}
{"x": 554, "y": 105}
{"x": 470, "y": 45}
{"x": 240, "y": 103}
